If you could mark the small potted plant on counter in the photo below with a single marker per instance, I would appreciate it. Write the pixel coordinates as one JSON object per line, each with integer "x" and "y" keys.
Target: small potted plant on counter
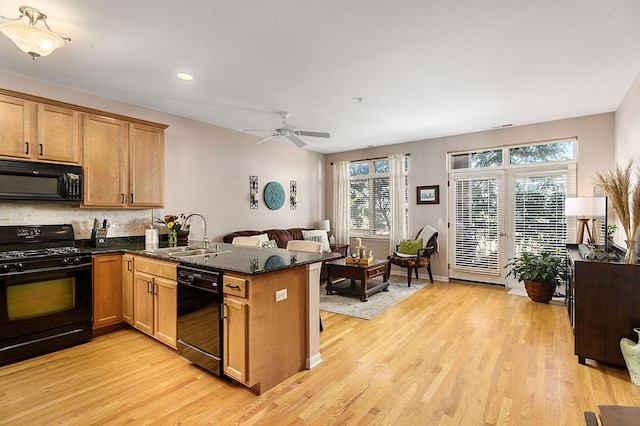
{"x": 541, "y": 274}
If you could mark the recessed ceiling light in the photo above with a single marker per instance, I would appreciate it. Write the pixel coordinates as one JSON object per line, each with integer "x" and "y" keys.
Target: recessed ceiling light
{"x": 185, "y": 76}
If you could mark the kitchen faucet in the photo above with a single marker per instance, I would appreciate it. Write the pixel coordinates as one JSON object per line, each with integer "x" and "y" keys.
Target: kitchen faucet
{"x": 205, "y": 240}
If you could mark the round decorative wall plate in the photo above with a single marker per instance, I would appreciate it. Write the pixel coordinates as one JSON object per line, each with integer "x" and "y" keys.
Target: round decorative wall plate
{"x": 273, "y": 195}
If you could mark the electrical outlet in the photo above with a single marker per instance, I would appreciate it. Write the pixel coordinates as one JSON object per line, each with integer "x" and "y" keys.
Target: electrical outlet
{"x": 281, "y": 295}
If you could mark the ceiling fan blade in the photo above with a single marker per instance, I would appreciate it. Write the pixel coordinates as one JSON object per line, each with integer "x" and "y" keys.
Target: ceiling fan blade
{"x": 256, "y": 130}
{"x": 299, "y": 142}
{"x": 264, "y": 139}
{"x": 314, "y": 134}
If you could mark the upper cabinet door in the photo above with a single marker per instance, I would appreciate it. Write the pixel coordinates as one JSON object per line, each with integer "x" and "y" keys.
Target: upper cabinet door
{"x": 104, "y": 142}
{"x": 58, "y": 134}
{"x": 146, "y": 166}
{"x": 15, "y": 128}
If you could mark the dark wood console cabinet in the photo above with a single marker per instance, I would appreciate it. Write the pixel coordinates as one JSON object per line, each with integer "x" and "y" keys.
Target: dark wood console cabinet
{"x": 604, "y": 306}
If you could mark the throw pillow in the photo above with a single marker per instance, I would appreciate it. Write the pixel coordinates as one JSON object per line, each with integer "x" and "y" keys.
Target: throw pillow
{"x": 410, "y": 247}
{"x": 269, "y": 244}
{"x": 262, "y": 237}
{"x": 317, "y": 239}
{"x": 319, "y": 233}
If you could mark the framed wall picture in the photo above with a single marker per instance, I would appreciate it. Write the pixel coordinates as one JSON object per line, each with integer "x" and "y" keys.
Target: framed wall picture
{"x": 428, "y": 194}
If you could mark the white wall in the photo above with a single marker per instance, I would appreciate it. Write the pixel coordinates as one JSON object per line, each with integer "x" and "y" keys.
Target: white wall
{"x": 427, "y": 166}
{"x": 628, "y": 137}
{"x": 207, "y": 171}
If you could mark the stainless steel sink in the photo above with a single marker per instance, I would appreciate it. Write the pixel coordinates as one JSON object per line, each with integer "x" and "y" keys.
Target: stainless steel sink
{"x": 186, "y": 251}
{"x": 206, "y": 254}
{"x": 170, "y": 251}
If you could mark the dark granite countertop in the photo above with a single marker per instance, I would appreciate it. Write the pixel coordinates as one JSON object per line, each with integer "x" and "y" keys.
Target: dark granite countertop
{"x": 245, "y": 260}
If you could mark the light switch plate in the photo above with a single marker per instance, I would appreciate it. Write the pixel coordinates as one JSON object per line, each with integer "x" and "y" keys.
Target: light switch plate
{"x": 281, "y": 295}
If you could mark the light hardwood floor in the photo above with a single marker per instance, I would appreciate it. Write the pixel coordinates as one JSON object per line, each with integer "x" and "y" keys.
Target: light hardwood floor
{"x": 451, "y": 354}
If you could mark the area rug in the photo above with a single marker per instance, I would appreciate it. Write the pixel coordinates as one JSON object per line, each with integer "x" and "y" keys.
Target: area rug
{"x": 376, "y": 303}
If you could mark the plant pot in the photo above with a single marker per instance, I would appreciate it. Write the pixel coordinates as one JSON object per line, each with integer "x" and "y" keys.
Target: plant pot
{"x": 539, "y": 292}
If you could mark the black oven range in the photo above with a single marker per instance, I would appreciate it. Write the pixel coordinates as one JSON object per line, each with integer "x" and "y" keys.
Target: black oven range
{"x": 45, "y": 291}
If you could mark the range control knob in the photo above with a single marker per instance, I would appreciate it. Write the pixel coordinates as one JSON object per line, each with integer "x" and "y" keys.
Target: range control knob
{"x": 4, "y": 268}
{"x": 19, "y": 267}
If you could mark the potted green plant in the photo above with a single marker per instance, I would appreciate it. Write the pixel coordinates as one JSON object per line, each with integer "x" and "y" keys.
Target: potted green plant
{"x": 541, "y": 274}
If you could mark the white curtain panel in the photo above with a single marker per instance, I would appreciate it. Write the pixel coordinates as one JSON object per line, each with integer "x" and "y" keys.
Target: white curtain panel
{"x": 342, "y": 201}
{"x": 397, "y": 196}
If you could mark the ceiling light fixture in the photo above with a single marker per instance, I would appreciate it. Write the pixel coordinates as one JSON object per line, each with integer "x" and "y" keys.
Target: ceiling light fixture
{"x": 185, "y": 76}
{"x": 32, "y": 39}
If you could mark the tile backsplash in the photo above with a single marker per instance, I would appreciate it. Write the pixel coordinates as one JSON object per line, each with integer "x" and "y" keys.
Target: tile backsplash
{"x": 124, "y": 223}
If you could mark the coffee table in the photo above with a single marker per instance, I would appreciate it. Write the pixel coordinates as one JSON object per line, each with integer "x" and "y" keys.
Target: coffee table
{"x": 355, "y": 272}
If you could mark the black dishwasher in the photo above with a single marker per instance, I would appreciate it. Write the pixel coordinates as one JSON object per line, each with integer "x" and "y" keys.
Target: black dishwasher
{"x": 199, "y": 327}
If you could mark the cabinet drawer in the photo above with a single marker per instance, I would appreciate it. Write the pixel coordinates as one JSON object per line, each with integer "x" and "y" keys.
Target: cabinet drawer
{"x": 235, "y": 286}
{"x": 377, "y": 271}
{"x": 155, "y": 267}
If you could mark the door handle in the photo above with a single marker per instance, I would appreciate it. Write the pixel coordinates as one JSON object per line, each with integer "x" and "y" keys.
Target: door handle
{"x": 502, "y": 234}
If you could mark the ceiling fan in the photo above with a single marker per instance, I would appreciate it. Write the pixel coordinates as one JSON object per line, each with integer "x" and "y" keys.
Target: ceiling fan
{"x": 287, "y": 130}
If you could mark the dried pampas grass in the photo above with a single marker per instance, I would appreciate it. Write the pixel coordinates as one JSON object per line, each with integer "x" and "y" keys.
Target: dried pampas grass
{"x": 624, "y": 197}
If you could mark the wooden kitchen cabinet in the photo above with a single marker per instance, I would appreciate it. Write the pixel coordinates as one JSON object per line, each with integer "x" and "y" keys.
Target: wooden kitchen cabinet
{"x": 104, "y": 142}
{"x": 127, "y": 288}
{"x": 146, "y": 166}
{"x": 16, "y": 133}
{"x": 155, "y": 298}
{"x": 124, "y": 163}
{"x": 264, "y": 340}
{"x": 58, "y": 134}
{"x": 107, "y": 290}
{"x": 38, "y": 131}
{"x": 236, "y": 328}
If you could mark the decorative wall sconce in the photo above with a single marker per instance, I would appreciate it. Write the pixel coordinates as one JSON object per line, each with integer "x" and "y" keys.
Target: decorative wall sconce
{"x": 253, "y": 192}
{"x": 294, "y": 194}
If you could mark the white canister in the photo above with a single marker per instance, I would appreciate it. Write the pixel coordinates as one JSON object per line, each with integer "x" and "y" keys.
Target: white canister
{"x": 151, "y": 240}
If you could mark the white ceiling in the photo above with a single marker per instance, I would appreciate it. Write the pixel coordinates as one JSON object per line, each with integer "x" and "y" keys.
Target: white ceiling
{"x": 423, "y": 68}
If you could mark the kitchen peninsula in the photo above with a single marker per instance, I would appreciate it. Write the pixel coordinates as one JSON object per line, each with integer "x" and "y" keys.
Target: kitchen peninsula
{"x": 270, "y": 308}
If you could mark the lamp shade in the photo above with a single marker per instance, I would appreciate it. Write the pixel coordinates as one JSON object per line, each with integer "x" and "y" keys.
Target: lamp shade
{"x": 585, "y": 206}
{"x": 324, "y": 225}
{"x": 599, "y": 206}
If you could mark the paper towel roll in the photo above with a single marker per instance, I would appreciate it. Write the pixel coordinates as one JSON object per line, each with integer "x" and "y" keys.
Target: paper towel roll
{"x": 151, "y": 239}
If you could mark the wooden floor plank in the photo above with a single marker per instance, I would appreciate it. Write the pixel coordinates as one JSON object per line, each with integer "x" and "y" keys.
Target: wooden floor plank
{"x": 451, "y": 354}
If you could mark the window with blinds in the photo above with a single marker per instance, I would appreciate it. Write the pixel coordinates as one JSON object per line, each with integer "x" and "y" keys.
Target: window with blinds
{"x": 370, "y": 203}
{"x": 539, "y": 220}
{"x": 476, "y": 225}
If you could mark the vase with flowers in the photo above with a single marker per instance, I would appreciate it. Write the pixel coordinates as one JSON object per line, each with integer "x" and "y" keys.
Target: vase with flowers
{"x": 625, "y": 199}
{"x": 178, "y": 229}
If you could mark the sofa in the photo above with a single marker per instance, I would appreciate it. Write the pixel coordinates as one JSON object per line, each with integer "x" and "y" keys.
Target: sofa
{"x": 280, "y": 236}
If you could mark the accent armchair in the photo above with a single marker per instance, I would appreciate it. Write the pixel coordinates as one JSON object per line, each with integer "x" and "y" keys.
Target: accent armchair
{"x": 412, "y": 257}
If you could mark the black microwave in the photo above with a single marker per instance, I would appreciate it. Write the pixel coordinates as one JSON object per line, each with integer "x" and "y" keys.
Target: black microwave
{"x": 33, "y": 182}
